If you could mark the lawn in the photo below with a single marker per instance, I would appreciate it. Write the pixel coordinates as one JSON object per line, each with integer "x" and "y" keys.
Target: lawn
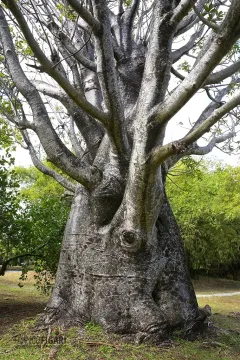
{"x": 20, "y": 305}
{"x": 19, "y": 300}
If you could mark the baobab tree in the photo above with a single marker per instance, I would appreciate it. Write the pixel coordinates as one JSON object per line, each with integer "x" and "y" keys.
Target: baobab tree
{"x": 119, "y": 71}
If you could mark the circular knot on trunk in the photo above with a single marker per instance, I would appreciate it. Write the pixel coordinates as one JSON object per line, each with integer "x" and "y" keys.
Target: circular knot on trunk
{"x": 130, "y": 240}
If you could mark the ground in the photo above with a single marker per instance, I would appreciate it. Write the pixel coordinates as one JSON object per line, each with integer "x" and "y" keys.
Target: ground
{"x": 18, "y": 340}
{"x": 16, "y": 302}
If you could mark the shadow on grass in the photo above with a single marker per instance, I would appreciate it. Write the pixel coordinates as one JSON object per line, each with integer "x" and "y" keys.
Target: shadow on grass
{"x": 19, "y": 340}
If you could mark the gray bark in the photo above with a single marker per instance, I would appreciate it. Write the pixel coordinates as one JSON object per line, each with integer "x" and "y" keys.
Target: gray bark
{"x": 146, "y": 292}
{"x": 122, "y": 263}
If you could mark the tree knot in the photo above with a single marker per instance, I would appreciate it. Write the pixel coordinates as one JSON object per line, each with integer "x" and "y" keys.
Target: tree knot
{"x": 130, "y": 240}
{"x": 179, "y": 148}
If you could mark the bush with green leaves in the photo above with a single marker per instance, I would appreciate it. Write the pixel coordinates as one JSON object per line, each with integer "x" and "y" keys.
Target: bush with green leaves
{"x": 33, "y": 218}
{"x": 11, "y": 211}
{"x": 205, "y": 199}
{"x": 48, "y": 213}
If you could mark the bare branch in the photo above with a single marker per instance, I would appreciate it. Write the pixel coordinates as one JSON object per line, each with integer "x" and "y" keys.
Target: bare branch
{"x": 43, "y": 168}
{"x": 86, "y": 16}
{"x": 207, "y": 112}
{"x": 219, "y": 76}
{"x": 76, "y": 53}
{"x": 161, "y": 153}
{"x": 204, "y": 150}
{"x": 213, "y": 78}
{"x": 78, "y": 150}
{"x": 177, "y": 73}
{"x": 190, "y": 20}
{"x": 131, "y": 15}
{"x": 177, "y": 54}
{"x": 78, "y": 98}
{"x": 59, "y": 154}
{"x": 221, "y": 43}
{"x": 181, "y": 10}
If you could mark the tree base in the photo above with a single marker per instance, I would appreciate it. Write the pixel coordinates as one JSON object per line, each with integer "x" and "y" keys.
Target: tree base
{"x": 197, "y": 330}
{"x": 147, "y": 291}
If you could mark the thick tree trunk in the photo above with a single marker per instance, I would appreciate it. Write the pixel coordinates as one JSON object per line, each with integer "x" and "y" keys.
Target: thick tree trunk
{"x": 147, "y": 292}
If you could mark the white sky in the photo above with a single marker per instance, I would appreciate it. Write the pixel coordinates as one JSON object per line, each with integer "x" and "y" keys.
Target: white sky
{"x": 191, "y": 111}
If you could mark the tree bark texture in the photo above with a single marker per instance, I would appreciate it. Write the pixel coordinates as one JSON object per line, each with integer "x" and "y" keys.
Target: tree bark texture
{"x": 122, "y": 263}
{"x": 146, "y": 292}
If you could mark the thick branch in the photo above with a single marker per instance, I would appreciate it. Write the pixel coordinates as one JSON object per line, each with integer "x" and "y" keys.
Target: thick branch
{"x": 91, "y": 131}
{"x": 59, "y": 154}
{"x": 108, "y": 79}
{"x": 129, "y": 18}
{"x": 86, "y": 16}
{"x": 204, "y": 150}
{"x": 221, "y": 43}
{"x": 133, "y": 9}
{"x": 143, "y": 184}
{"x": 155, "y": 77}
{"x": 77, "y": 97}
{"x": 161, "y": 153}
{"x": 182, "y": 10}
{"x": 43, "y": 168}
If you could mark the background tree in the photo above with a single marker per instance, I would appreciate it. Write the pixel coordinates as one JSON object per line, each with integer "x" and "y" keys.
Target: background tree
{"x": 47, "y": 213}
{"x": 109, "y": 64}
{"x": 33, "y": 217}
{"x": 9, "y": 201}
{"x": 205, "y": 199}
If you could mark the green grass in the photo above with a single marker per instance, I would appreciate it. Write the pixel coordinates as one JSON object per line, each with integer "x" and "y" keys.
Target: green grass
{"x": 18, "y": 302}
{"x": 222, "y": 305}
{"x": 94, "y": 344}
{"x": 90, "y": 342}
{"x": 17, "y": 291}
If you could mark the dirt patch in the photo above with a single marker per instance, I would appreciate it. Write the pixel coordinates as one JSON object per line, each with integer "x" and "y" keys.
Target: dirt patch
{"x": 12, "y": 312}
{"x": 18, "y": 303}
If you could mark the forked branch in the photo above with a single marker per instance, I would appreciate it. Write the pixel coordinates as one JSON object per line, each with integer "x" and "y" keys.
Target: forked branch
{"x": 221, "y": 44}
{"x": 86, "y": 16}
{"x": 161, "y": 153}
{"x": 43, "y": 168}
{"x": 77, "y": 97}
{"x": 59, "y": 154}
